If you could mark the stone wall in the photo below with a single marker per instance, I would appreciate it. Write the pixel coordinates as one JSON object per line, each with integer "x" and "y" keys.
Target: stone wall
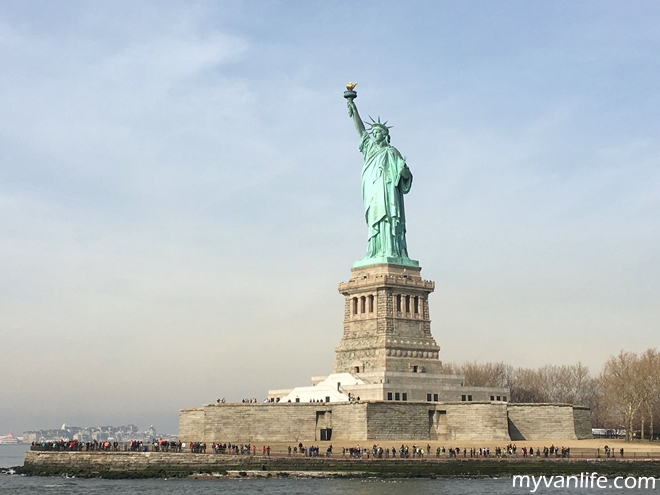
{"x": 157, "y": 464}
{"x": 477, "y": 421}
{"x": 280, "y": 422}
{"x": 251, "y": 423}
{"x": 396, "y": 421}
{"x": 541, "y": 421}
{"x": 431, "y": 421}
{"x": 382, "y": 420}
{"x": 349, "y": 422}
{"x": 366, "y": 420}
{"x": 103, "y": 463}
{"x": 582, "y": 422}
{"x": 191, "y": 424}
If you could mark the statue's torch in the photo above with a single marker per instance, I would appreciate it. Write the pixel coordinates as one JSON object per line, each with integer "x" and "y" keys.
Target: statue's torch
{"x": 350, "y": 94}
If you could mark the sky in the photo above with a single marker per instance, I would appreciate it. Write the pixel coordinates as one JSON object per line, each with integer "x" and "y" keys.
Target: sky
{"x": 180, "y": 190}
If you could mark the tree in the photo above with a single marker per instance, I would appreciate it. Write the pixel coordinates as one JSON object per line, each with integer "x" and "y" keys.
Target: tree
{"x": 624, "y": 385}
{"x": 484, "y": 375}
{"x": 564, "y": 384}
{"x": 569, "y": 384}
{"x": 526, "y": 386}
{"x": 650, "y": 367}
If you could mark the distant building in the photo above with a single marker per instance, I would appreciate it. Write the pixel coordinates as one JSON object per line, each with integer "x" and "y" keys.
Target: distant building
{"x": 123, "y": 433}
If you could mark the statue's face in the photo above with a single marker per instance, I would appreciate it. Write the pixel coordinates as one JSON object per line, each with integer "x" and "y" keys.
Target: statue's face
{"x": 379, "y": 134}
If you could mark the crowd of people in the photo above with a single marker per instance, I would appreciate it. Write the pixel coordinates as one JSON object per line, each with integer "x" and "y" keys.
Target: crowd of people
{"x": 376, "y": 451}
{"x": 418, "y": 451}
{"x": 609, "y": 452}
{"x": 156, "y": 445}
{"x": 166, "y": 446}
{"x": 228, "y": 448}
{"x": 75, "y": 445}
{"x": 311, "y": 451}
{"x": 234, "y": 449}
{"x": 546, "y": 452}
{"x": 253, "y": 400}
{"x": 197, "y": 448}
{"x": 252, "y": 450}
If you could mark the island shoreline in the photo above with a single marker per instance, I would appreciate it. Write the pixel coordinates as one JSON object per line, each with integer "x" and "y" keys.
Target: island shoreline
{"x": 130, "y": 465}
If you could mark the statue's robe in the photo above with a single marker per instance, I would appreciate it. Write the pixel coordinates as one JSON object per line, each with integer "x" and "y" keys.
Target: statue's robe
{"x": 383, "y": 188}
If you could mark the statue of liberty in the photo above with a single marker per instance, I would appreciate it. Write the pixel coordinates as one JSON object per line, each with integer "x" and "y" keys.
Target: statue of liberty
{"x": 385, "y": 179}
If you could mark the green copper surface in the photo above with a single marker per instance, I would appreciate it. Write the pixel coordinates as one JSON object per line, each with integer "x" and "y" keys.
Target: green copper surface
{"x": 388, "y": 260}
{"x": 385, "y": 179}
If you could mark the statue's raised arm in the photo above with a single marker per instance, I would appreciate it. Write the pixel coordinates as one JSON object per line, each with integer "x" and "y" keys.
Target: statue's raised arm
{"x": 353, "y": 113}
{"x": 350, "y": 94}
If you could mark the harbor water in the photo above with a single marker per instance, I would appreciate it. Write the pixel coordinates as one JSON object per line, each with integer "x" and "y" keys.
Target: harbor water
{"x": 21, "y": 485}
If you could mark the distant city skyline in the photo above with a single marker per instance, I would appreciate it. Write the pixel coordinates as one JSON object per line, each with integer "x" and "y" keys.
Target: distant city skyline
{"x": 93, "y": 433}
{"x": 163, "y": 167}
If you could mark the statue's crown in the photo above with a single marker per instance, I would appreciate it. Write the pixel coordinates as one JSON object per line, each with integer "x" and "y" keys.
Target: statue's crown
{"x": 378, "y": 123}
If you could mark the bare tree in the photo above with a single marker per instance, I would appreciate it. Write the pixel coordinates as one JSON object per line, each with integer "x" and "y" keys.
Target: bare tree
{"x": 449, "y": 369}
{"x": 560, "y": 384}
{"x": 624, "y": 386}
{"x": 526, "y": 386}
{"x": 569, "y": 384}
{"x": 650, "y": 367}
{"x": 565, "y": 384}
{"x": 484, "y": 375}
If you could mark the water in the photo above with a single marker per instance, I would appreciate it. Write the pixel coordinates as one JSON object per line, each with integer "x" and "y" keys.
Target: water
{"x": 18, "y": 485}
{"x": 21, "y": 485}
{"x": 13, "y": 455}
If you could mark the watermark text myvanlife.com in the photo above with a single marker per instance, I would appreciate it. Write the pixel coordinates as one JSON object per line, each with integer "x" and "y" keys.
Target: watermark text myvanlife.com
{"x": 585, "y": 480}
